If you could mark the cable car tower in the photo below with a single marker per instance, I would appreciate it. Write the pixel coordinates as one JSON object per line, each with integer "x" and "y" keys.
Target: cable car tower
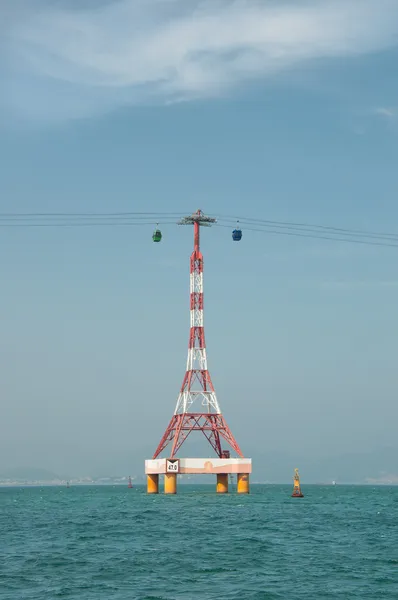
{"x": 197, "y": 407}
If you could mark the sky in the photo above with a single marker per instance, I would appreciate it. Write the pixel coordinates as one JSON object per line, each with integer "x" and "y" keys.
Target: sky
{"x": 272, "y": 110}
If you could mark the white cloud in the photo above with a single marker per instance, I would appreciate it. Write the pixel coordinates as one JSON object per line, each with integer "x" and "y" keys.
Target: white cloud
{"x": 133, "y": 51}
{"x": 389, "y": 113}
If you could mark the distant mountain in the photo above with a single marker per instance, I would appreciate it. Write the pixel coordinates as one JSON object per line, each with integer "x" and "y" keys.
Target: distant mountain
{"x": 28, "y": 474}
{"x": 380, "y": 464}
{"x": 357, "y": 467}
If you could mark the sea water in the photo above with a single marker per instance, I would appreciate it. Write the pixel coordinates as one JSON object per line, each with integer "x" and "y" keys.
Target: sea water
{"x": 115, "y": 543}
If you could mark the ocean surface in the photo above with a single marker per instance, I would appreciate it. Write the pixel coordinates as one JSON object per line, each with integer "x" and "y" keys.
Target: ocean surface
{"x": 112, "y": 543}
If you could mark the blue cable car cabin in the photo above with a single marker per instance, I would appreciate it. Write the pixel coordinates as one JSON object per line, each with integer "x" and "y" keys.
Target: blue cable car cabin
{"x": 157, "y": 235}
{"x": 237, "y": 235}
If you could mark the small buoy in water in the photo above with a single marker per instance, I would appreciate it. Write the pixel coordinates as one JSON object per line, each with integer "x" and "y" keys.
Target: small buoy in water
{"x": 297, "y": 493}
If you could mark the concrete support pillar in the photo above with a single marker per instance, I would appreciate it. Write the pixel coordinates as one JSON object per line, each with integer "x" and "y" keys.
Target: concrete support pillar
{"x": 153, "y": 484}
{"x": 243, "y": 483}
{"x": 222, "y": 483}
{"x": 170, "y": 483}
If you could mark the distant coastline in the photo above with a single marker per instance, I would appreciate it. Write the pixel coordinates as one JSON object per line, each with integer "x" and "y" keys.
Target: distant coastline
{"x": 139, "y": 481}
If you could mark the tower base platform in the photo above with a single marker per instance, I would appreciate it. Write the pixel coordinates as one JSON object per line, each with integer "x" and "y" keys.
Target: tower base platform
{"x": 221, "y": 467}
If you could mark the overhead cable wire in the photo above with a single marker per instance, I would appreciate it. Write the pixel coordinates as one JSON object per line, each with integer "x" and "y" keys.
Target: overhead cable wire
{"x": 85, "y": 223}
{"x": 142, "y": 216}
{"x": 116, "y": 224}
{"x": 110, "y": 217}
{"x": 319, "y": 237}
{"x": 320, "y": 230}
{"x": 130, "y": 218}
{"x": 137, "y": 215}
{"x": 309, "y": 226}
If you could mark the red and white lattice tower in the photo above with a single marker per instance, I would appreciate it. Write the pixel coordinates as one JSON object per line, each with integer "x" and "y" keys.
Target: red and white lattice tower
{"x": 197, "y": 407}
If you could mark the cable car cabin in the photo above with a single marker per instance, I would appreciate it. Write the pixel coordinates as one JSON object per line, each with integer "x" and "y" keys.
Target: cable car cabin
{"x": 237, "y": 235}
{"x": 157, "y": 235}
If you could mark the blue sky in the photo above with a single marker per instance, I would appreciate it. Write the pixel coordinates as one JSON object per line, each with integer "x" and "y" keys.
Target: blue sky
{"x": 262, "y": 109}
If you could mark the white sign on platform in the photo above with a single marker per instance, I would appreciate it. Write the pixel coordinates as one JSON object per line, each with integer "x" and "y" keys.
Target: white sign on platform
{"x": 172, "y": 465}
{"x": 198, "y": 465}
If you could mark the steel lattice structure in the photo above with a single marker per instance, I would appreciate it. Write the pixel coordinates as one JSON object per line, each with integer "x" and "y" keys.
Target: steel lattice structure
{"x": 197, "y": 386}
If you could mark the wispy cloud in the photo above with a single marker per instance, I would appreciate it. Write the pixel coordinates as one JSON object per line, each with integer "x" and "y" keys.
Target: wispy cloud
{"x": 70, "y": 62}
{"x": 387, "y": 112}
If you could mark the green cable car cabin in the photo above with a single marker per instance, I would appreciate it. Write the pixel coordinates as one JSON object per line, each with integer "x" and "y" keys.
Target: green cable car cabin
{"x": 157, "y": 235}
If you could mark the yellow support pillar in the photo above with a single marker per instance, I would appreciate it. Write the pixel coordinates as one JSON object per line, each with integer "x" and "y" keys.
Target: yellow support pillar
{"x": 222, "y": 483}
{"x": 153, "y": 484}
{"x": 170, "y": 483}
{"x": 243, "y": 483}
